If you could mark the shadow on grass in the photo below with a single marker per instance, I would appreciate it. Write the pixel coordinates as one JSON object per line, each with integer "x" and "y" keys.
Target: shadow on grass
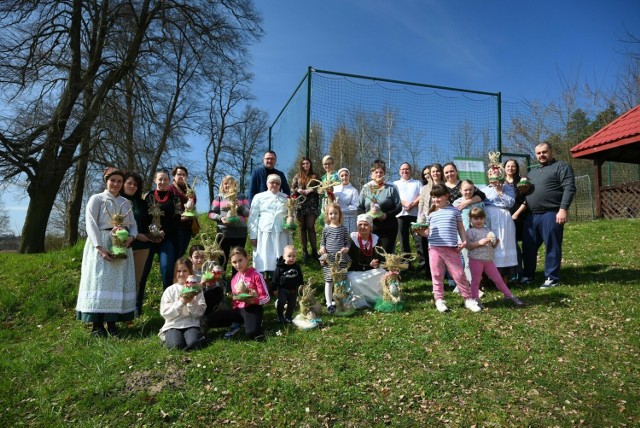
{"x": 589, "y": 274}
{"x": 553, "y": 298}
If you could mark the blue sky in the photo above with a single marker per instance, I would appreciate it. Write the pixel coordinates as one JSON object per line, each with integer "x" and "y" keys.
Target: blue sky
{"x": 513, "y": 47}
{"x": 519, "y": 48}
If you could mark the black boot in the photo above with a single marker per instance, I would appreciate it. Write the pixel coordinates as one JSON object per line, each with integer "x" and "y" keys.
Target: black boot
{"x": 112, "y": 329}
{"x": 98, "y": 330}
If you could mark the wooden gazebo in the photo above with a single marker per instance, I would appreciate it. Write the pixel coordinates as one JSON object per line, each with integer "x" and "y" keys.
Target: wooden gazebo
{"x": 619, "y": 141}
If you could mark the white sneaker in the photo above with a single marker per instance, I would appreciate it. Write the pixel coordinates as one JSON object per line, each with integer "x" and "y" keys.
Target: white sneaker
{"x": 472, "y": 305}
{"x": 480, "y": 293}
{"x": 441, "y": 306}
{"x": 455, "y": 290}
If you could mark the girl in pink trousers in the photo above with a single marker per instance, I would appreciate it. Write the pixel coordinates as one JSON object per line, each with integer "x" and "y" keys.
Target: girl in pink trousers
{"x": 481, "y": 243}
{"x": 445, "y": 224}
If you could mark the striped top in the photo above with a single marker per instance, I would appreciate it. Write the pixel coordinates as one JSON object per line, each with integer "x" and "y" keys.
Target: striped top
{"x": 443, "y": 227}
{"x": 333, "y": 239}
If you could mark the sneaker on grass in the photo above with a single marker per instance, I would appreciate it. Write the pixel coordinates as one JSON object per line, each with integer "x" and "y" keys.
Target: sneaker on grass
{"x": 233, "y": 330}
{"x": 441, "y": 306}
{"x": 549, "y": 283}
{"x": 472, "y": 305}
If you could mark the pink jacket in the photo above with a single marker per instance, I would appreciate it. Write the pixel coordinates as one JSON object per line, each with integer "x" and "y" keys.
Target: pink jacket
{"x": 255, "y": 282}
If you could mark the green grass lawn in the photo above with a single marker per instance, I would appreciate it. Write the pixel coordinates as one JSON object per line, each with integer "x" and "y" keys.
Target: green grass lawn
{"x": 569, "y": 358}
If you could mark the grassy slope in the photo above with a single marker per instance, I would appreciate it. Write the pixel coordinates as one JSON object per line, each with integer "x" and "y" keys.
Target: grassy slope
{"x": 568, "y": 358}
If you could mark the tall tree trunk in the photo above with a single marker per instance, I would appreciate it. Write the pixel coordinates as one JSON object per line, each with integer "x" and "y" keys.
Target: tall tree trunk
{"x": 41, "y": 198}
{"x": 72, "y": 220}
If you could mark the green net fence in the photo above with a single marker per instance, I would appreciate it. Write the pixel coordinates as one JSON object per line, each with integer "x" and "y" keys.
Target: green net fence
{"x": 357, "y": 119}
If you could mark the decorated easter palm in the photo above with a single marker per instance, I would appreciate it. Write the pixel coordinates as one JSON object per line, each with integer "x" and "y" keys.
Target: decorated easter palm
{"x": 309, "y": 308}
{"x": 372, "y": 191}
{"x": 324, "y": 189}
{"x": 391, "y": 300}
{"x": 243, "y": 292}
{"x": 190, "y": 205}
{"x": 156, "y": 234}
{"x": 232, "y": 197}
{"x": 341, "y": 288}
{"x": 214, "y": 259}
{"x": 293, "y": 203}
{"x": 119, "y": 233}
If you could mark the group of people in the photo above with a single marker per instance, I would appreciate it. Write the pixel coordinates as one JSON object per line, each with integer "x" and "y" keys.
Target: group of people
{"x": 444, "y": 215}
{"x": 115, "y": 264}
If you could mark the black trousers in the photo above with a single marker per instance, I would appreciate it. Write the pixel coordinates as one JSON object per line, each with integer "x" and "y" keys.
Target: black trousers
{"x": 251, "y": 316}
{"x": 288, "y": 297}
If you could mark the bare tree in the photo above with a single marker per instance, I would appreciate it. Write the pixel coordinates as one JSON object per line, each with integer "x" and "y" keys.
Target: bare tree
{"x": 247, "y": 139}
{"x": 229, "y": 85}
{"x": 52, "y": 52}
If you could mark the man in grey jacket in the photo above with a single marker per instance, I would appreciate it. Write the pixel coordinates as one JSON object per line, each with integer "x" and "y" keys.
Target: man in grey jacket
{"x": 552, "y": 190}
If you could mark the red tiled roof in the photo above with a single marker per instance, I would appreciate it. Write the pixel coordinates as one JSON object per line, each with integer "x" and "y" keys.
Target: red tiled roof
{"x": 623, "y": 131}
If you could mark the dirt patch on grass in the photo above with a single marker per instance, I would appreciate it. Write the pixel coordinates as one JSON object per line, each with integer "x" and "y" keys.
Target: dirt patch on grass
{"x": 152, "y": 382}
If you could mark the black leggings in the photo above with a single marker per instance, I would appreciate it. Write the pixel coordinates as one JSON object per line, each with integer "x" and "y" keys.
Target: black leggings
{"x": 308, "y": 232}
{"x": 251, "y": 316}
{"x": 387, "y": 231}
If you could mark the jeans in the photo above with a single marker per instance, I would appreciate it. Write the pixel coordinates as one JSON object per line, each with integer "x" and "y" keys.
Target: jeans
{"x": 166, "y": 251}
{"x": 539, "y": 228}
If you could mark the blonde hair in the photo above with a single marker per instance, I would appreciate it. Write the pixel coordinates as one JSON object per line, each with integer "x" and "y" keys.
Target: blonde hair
{"x": 326, "y": 158}
{"x": 227, "y": 179}
{"x": 326, "y": 212}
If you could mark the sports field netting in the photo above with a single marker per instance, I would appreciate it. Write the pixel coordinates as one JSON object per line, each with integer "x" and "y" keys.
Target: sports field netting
{"x": 357, "y": 119}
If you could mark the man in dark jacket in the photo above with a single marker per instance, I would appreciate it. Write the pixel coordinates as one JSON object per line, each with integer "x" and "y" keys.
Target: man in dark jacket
{"x": 259, "y": 176}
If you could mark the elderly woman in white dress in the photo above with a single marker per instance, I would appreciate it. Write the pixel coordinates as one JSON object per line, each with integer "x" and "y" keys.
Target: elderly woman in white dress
{"x": 266, "y": 232}
{"x": 107, "y": 290}
{"x": 364, "y": 272}
{"x": 348, "y": 198}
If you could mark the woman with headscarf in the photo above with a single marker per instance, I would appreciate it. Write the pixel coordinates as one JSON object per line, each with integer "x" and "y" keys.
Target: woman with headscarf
{"x": 364, "y": 273}
{"x": 266, "y": 226}
{"x": 348, "y": 198}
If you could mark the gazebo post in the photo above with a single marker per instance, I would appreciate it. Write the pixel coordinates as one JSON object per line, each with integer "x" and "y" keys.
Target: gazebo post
{"x": 597, "y": 163}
